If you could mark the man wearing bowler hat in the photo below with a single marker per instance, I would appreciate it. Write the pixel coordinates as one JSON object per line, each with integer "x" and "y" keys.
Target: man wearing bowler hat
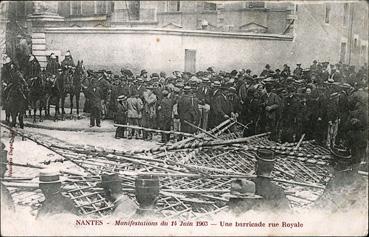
{"x": 55, "y": 202}
{"x": 188, "y": 110}
{"x": 274, "y": 196}
{"x": 7, "y": 203}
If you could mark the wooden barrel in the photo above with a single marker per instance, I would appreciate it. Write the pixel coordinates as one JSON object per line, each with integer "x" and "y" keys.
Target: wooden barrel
{"x": 146, "y": 189}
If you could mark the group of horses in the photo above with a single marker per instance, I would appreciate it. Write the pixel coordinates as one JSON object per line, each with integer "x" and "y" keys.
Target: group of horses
{"x": 43, "y": 91}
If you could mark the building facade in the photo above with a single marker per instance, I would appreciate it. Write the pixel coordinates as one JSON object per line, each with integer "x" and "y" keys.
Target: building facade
{"x": 187, "y": 35}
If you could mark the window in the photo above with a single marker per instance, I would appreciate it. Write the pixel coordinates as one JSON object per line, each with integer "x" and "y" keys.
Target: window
{"x": 208, "y": 6}
{"x": 257, "y": 4}
{"x": 327, "y": 13}
{"x": 134, "y": 10}
{"x": 345, "y": 14}
{"x": 100, "y": 7}
{"x": 173, "y": 6}
{"x": 76, "y": 8}
{"x": 356, "y": 40}
{"x": 343, "y": 52}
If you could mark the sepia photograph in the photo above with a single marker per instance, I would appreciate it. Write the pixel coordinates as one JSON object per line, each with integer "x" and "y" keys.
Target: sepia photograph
{"x": 184, "y": 118}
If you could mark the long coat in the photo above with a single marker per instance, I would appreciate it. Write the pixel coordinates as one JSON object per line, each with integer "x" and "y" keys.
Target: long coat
{"x": 188, "y": 110}
{"x": 165, "y": 113}
{"x": 94, "y": 95}
{"x": 135, "y": 107}
{"x": 52, "y": 67}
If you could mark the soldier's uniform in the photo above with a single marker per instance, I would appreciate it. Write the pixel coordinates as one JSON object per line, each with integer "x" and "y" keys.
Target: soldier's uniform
{"x": 33, "y": 68}
{"x": 52, "y": 65}
{"x": 273, "y": 195}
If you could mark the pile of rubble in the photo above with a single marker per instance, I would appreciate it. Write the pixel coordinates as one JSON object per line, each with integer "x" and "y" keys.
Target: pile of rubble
{"x": 195, "y": 173}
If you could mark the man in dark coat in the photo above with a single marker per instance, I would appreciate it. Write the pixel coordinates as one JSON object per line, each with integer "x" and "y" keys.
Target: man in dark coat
{"x": 220, "y": 108}
{"x": 274, "y": 198}
{"x": 298, "y": 72}
{"x": 94, "y": 95}
{"x": 68, "y": 61}
{"x": 188, "y": 110}
{"x": 55, "y": 202}
{"x": 271, "y": 106}
{"x": 165, "y": 109}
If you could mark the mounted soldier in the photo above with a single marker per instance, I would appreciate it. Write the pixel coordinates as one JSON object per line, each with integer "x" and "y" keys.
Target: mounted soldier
{"x": 16, "y": 91}
{"x": 52, "y": 65}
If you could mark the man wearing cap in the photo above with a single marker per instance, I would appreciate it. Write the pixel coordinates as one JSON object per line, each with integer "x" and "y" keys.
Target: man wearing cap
{"x": 94, "y": 95}
{"x": 52, "y": 65}
{"x": 165, "y": 109}
{"x": 149, "y": 111}
{"x": 124, "y": 207}
{"x": 55, "y": 202}
{"x": 273, "y": 195}
{"x": 7, "y": 203}
{"x": 135, "y": 106}
{"x": 297, "y": 73}
{"x": 188, "y": 110}
{"x": 121, "y": 115}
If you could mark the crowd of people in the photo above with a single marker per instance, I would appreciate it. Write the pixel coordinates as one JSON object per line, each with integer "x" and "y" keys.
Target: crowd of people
{"x": 326, "y": 102}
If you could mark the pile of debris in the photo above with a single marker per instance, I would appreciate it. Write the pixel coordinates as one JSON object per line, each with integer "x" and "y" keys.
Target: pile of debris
{"x": 195, "y": 173}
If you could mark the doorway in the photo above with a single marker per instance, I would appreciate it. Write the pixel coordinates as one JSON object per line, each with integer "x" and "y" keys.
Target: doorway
{"x": 190, "y": 60}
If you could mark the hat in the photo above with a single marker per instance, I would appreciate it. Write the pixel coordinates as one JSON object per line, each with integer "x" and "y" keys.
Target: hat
{"x": 210, "y": 69}
{"x": 298, "y": 64}
{"x": 49, "y": 177}
{"x": 67, "y": 53}
{"x": 165, "y": 92}
{"x": 330, "y": 80}
{"x": 205, "y": 79}
{"x": 216, "y": 84}
{"x": 19, "y": 36}
{"x": 143, "y": 71}
{"x": 179, "y": 85}
{"x": 268, "y": 80}
{"x": 154, "y": 75}
{"x": 242, "y": 189}
{"x": 121, "y": 98}
{"x": 52, "y": 55}
{"x": 187, "y": 88}
{"x": 314, "y": 61}
{"x": 232, "y": 89}
{"x": 265, "y": 162}
{"x": 139, "y": 79}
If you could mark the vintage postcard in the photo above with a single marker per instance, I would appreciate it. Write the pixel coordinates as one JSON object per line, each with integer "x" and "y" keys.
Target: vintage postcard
{"x": 184, "y": 118}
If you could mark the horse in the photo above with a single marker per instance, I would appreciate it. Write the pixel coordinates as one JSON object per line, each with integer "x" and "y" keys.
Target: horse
{"x": 37, "y": 95}
{"x": 78, "y": 77}
{"x": 71, "y": 84}
{"x": 16, "y": 99}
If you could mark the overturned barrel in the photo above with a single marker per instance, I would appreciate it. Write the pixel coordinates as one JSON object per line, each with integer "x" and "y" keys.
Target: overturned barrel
{"x": 147, "y": 190}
